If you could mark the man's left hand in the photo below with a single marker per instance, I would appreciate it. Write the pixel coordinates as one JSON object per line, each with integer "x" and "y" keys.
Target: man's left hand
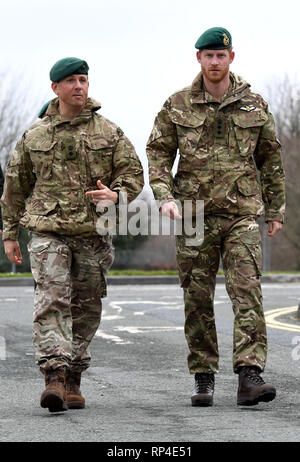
{"x": 274, "y": 228}
{"x": 103, "y": 194}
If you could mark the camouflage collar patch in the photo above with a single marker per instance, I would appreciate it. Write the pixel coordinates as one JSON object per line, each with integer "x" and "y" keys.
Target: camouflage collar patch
{"x": 248, "y": 108}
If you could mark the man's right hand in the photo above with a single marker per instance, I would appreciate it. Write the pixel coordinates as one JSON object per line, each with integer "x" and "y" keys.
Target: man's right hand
{"x": 13, "y": 251}
{"x": 170, "y": 209}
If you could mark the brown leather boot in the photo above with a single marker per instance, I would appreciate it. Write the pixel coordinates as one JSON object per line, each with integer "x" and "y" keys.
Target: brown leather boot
{"x": 252, "y": 388}
{"x": 75, "y": 399}
{"x": 54, "y": 397}
{"x": 204, "y": 390}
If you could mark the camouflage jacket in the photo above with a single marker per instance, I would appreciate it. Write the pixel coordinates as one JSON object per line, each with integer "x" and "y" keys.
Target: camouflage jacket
{"x": 229, "y": 155}
{"x": 56, "y": 162}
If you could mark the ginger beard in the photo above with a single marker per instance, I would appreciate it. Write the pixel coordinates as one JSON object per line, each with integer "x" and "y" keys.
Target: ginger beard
{"x": 215, "y": 64}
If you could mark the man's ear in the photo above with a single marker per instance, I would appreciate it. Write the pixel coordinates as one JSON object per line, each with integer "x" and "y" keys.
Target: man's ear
{"x": 54, "y": 86}
{"x": 198, "y": 54}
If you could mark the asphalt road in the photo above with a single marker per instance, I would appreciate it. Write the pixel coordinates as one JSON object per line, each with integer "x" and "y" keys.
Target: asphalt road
{"x": 138, "y": 387}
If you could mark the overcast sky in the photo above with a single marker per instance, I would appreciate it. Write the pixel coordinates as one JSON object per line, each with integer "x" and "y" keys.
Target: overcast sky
{"x": 141, "y": 51}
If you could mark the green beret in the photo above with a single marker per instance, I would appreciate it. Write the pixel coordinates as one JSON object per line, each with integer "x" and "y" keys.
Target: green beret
{"x": 68, "y": 66}
{"x": 216, "y": 38}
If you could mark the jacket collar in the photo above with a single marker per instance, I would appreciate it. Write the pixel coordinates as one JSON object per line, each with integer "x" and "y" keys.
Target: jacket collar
{"x": 86, "y": 113}
{"x": 238, "y": 88}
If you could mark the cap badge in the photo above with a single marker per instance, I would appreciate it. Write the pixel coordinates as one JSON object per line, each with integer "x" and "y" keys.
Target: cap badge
{"x": 226, "y": 40}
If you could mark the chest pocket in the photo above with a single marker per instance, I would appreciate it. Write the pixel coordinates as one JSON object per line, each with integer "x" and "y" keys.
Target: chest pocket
{"x": 100, "y": 158}
{"x": 189, "y": 127}
{"x": 41, "y": 154}
{"x": 246, "y": 129}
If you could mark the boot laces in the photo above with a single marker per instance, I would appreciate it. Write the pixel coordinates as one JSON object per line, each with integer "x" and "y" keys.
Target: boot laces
{"x": 204, "y": 382}
{"x": 253, "y": 375}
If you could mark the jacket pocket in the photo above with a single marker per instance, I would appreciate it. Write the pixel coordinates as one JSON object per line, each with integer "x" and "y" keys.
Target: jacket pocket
{"x": 246, "y": 127}
{"x": 41, "y": 155}
{"x": 185, "y": 188}
{"x": 189, "y": 127}
{"x": 248, "y": 186}
{"x": 100, "y": 158}
{"x": 41, "y": 207}
{"x": 249, "y": 197}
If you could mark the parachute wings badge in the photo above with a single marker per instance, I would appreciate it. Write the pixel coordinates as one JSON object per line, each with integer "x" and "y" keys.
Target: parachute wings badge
{"x": 248, "y": 108}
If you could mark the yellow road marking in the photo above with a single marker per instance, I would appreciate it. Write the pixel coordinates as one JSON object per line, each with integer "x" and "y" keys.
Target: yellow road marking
{"x": 271, "y": 320}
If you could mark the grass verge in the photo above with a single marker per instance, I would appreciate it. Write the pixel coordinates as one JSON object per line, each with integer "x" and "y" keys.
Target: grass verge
{"x": 139, "y": 273}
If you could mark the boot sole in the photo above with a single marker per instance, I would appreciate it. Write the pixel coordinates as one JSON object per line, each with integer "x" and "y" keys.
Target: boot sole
{"x": 201, "y": 402}
{"x": 76, "y": 405}
{"x": 54, "y": 402}
{"x": 265, "y": 397}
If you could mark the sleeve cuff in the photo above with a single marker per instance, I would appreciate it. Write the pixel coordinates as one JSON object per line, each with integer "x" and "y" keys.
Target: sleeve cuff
{"x": 274, "y": 217}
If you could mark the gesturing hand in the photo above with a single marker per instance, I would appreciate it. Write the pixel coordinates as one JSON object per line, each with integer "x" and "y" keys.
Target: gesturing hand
{"x": 170, "y": 209}
{"x": 102, "y": 194}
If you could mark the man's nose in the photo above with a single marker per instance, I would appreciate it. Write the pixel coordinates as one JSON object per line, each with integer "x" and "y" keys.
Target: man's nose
{"x": 78, "y": 83}
{"x": 215, "y": 61}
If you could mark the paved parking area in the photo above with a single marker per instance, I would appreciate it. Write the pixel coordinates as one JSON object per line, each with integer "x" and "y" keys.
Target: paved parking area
{"x": 138, "y": 387}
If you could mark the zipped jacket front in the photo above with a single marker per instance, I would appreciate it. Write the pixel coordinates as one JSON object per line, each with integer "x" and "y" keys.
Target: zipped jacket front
{"x": 229, "y": 154}
{"x": 56, "y": 162}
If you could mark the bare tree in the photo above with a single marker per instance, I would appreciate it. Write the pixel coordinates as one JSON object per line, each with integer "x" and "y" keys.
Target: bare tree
{"x": 284, "y": 97}
{"x": 20, "y": 103}
{"x": 292, "y": 167}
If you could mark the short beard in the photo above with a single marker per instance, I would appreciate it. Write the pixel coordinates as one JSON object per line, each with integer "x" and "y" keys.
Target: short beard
{"x": 217, "y": 78}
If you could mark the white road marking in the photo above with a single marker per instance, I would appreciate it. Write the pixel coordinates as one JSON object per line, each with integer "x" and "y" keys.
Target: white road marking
{"x": 111, "y": 318}
{"x": 280, "y": 286}
{"x": 141, "y": 329}
{"x": 173, "y": 296}
{"x": 112, "y": 338}
{"x": 117, "y": 305}
{"x": 271, "y": 321}
{"x": 8, "y": 299}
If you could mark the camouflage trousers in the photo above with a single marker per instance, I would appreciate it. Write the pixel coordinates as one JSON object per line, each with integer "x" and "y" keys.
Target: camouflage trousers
{"x": 69, "y": 275}
{"x": 238, "y": 243}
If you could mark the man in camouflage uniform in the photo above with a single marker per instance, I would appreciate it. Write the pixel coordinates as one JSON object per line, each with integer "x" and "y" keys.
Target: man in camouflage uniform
{"x": 62, "y": 167}
{"x": 224, "y": 133}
